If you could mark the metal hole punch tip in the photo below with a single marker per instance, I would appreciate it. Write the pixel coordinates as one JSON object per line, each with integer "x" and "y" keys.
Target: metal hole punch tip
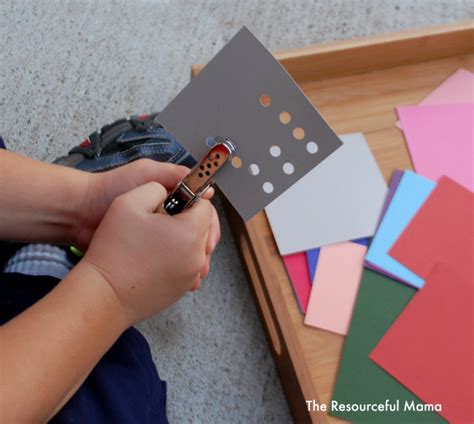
{"x": 228, "y": 143}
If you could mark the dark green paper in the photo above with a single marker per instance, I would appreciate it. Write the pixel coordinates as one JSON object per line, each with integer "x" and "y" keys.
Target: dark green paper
{"x": 379, "y": 302}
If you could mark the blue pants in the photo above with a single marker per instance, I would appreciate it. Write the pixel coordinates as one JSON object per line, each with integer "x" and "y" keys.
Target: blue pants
{"x": 124, "y": 387}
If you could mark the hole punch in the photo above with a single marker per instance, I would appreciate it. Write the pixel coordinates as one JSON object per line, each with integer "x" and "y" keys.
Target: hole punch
{"x": 275, "y": 151}
{"x": 265, "y": 100}
{"x": 298, "y": 133}
{"x": 285, "y": 117}
{"x": 267, "y": 187}
{"x": 254, "y": 169}
{"x": 288, "y": 168}
{"x": 312, "y": 147}
{"x": 236, "y": 162}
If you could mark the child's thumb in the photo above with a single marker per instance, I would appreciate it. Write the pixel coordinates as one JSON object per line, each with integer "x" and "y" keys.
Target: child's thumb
{"x": 148, "y": 196}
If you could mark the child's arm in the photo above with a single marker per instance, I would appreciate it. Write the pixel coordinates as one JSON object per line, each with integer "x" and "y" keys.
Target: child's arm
{"x": 48, "y": 351}
{"x": 41, "y": 202}
{"x": 38, "y": 201}
{"x": 137, "y": 264}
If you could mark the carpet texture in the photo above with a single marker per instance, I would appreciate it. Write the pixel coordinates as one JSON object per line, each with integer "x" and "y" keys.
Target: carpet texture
{"x": 69, "y": 67}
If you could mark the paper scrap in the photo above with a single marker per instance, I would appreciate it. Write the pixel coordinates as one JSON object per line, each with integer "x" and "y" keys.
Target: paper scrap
{"x": 458, "y": 88}
{"x": 359, "y": 380}
{"x": 440, "y": 139}
{"x": 411, "y": 193}
{"x": 325, "y": 206}
{"x": 429, "y": 348}
{"x": 441, "y": 231}
{"x": 335, "y": 286}
{"x": 245, "y": 94}
{"x": 297, "y": 269}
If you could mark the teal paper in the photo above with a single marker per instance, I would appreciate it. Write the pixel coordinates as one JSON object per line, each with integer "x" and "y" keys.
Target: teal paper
{"x": 411, "y": 193}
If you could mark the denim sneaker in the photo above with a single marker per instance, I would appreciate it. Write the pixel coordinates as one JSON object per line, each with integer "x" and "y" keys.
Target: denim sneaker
{"x": 124, "y": 141}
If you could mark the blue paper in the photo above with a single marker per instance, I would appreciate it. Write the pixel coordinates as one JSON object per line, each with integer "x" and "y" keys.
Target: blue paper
{"x": 363, "y": 241}
{"x": 411, "y": 193}
{"x": 312, "y": 257}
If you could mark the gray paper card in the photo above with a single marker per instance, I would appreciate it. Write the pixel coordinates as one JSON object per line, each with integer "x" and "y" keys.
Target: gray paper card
{"x": 246, "y": 95}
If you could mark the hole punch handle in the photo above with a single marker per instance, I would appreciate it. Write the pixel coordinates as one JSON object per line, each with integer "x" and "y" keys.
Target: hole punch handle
{"x": 199, "y": 178}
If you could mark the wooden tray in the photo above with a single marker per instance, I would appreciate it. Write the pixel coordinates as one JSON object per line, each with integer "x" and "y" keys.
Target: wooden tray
{"x": 355, "y": 85}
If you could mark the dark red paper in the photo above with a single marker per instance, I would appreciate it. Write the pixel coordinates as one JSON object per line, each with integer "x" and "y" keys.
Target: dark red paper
{"x": 441, "y": 231}
{"x": 429, "y": 348}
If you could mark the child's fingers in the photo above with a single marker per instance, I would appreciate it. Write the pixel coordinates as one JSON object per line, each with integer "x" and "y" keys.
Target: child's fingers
{"x": 209, "y": 193}
{"x": 197, "y": 284}
{"x": 148, "y": 196}
{"x": 167, "y": 174}
{"x": 214, "y": 232}
{"x": 199, "y": 216}
{"x": 206, "y": 268}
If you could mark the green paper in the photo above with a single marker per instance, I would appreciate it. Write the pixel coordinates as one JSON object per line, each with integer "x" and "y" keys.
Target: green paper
{"x": 360, "y": 381}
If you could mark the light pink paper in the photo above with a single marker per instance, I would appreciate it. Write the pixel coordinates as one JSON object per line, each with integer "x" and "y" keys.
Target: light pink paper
{"x": 335, "y": 286}
{"x": 458, "y": 88}
{"x": 440, "y": 140}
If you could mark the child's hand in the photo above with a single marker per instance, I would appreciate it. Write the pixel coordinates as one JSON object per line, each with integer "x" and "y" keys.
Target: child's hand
{"x": 103, "y": 188}
{"x": 150, "y": 260}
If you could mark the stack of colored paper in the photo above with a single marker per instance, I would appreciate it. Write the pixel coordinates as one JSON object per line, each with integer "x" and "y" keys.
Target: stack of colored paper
{"x": 410, "y": 338}
{"x": 348, "y": 191}
{"x": 404, "y": 298}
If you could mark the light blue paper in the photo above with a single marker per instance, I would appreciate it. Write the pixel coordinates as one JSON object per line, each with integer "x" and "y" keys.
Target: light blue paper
{"x": 411, "y": 193}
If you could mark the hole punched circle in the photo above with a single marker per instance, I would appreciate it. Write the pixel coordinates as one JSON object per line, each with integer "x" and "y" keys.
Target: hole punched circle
{"x": 312, "y": 147}
{"x": 288, "y": 168}
{"x": 211, "y": 141}
{"x": 254, "y": 169}
{"x": 265, "y": 100}
{"x": 267, "y": 187}
{"x": 275, "y": 151}
{"x": 298, "y": 133}
{"x": 236, "y": 162}
{"x": 285, "y": 117}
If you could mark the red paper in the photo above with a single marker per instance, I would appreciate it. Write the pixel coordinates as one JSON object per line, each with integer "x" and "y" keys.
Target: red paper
{"x": 429, "y": 348}
{"x": 297, "y": 268}
{"x": 441, "y": 231}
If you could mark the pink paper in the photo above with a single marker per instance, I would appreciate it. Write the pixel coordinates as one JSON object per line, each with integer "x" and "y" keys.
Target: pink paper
{"x": 297, "y": 268}
{"x": 335, "y": 286}
{"x": 458, "y": 88}
{"x": 440, "y": 140}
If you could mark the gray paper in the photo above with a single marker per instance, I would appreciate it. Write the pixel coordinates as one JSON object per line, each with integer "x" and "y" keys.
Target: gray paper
{"x": 223, "y": 100}
{"x": 342, "y": 200}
